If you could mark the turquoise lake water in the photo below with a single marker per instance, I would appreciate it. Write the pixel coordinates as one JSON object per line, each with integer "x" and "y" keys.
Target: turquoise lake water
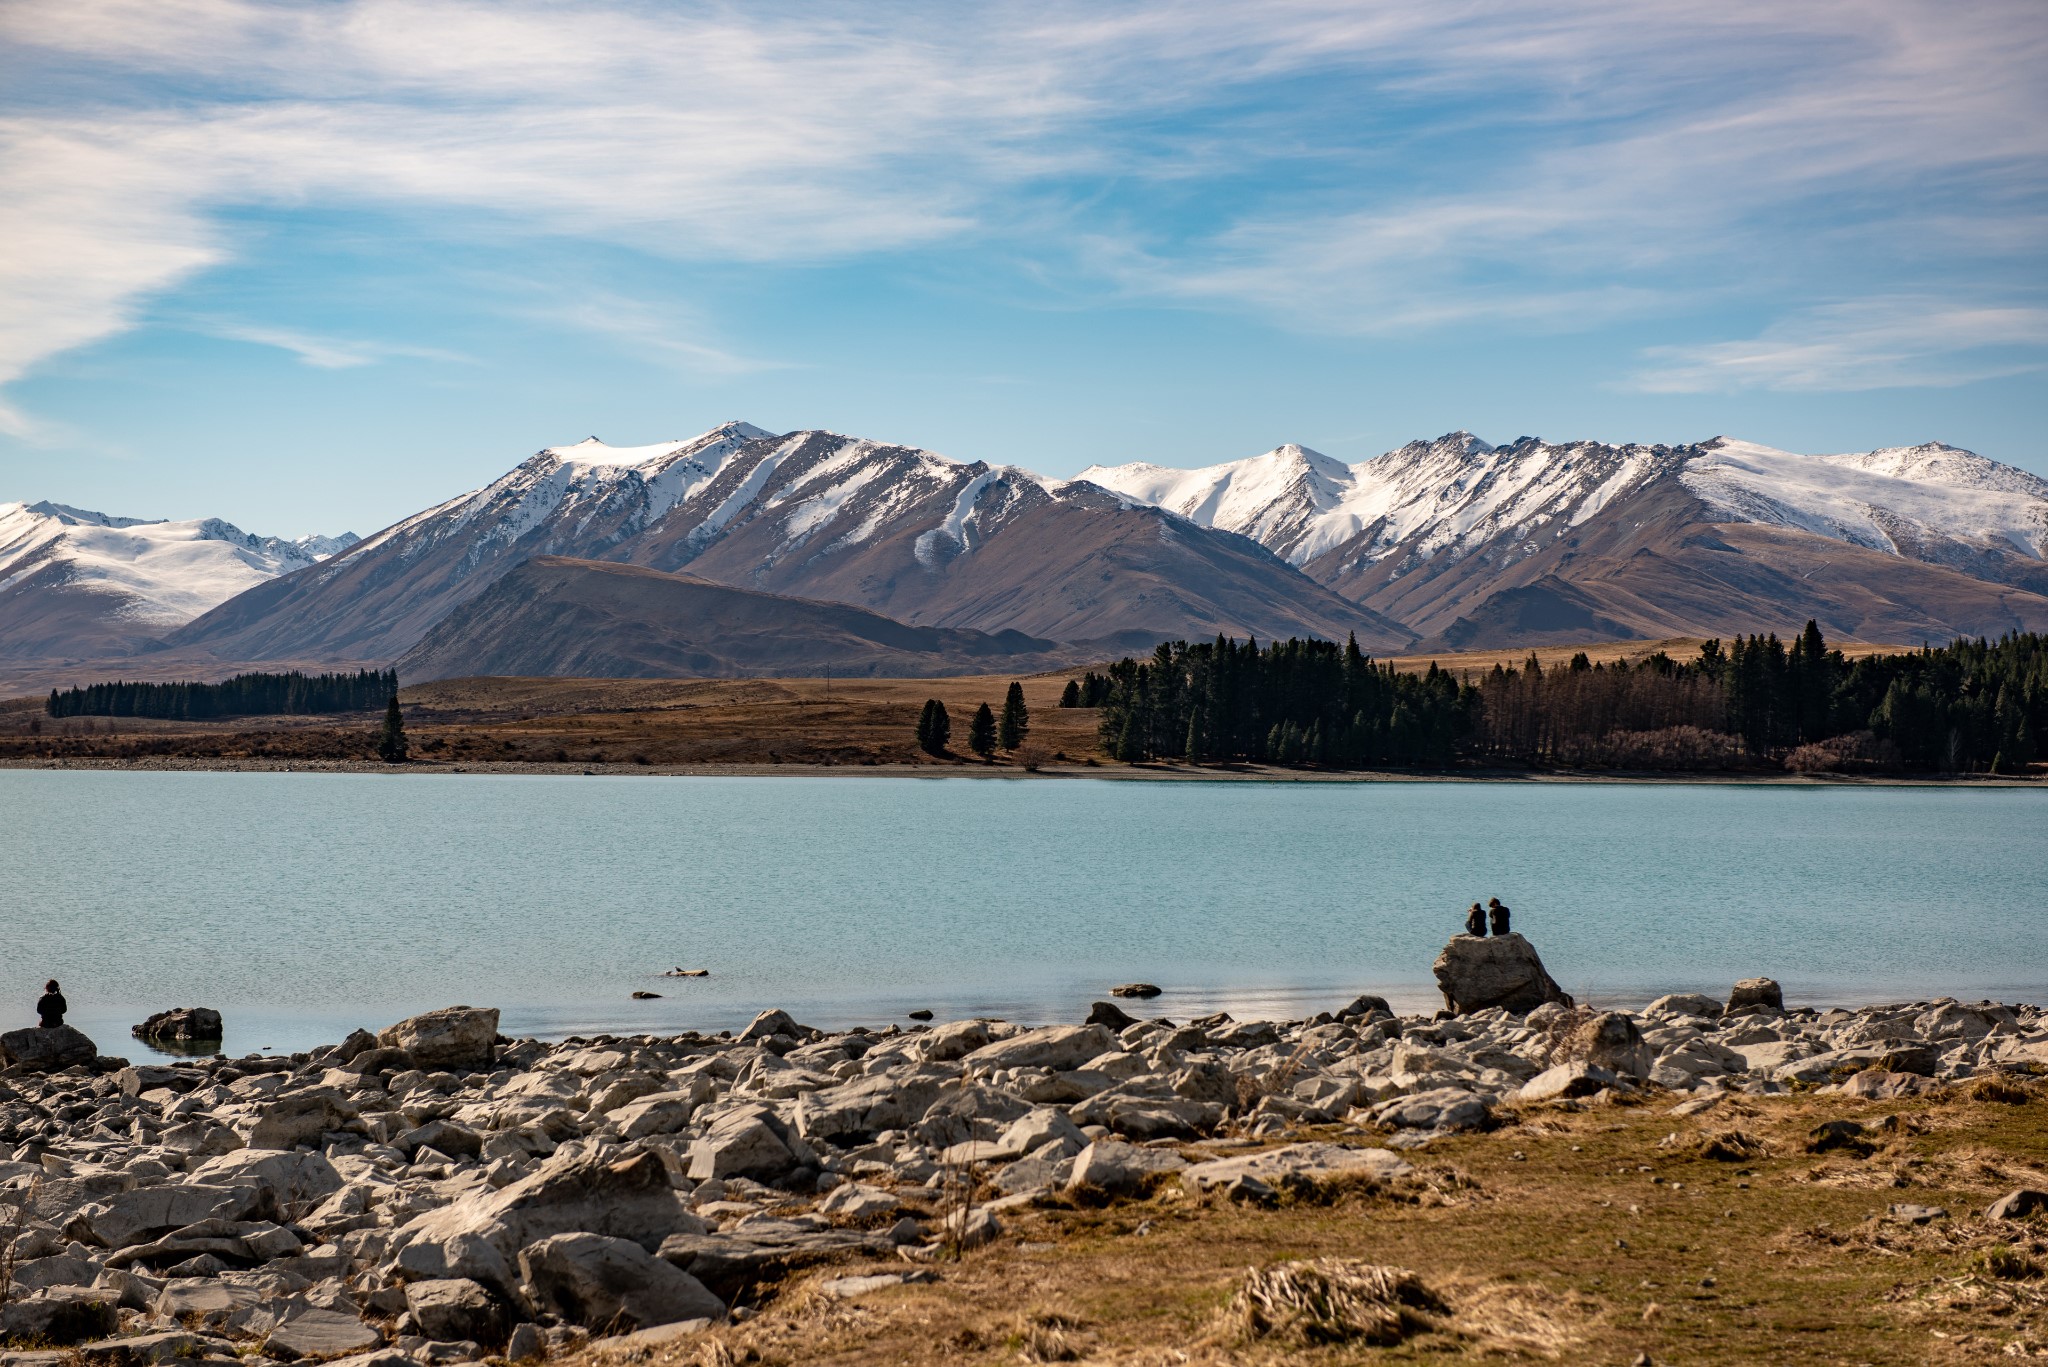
{"x": 302, "y": 905}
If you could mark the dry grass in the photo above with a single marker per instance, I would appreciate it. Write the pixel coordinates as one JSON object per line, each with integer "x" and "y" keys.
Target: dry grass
{"x": 1333, "y": 1300}
{"x": 1600, "y": 1242}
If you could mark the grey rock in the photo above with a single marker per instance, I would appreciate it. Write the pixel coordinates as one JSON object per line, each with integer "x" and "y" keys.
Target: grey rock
{"x": 1502, "y": 970}
{"x": 1365, "y": 1006}
{"x": 743, "y": 1142}
{"x": 1438, "y": 1110}
{"x": 1691, "y": 1004}
{"x": 1906, "y": 1213}
{"x": 136, "y": 1217}
{"x": 1566, "y": 1080}
{"x": 62, "y": 1269}
{"x": 36, "y": 1050}
{"x": 954, "y": 1040}
{"x": 1610, "y": 1040}
{"x": 601, "y": 1282}
{"x": 454, "y": 1308}
{"x": 1110, "y": 1016}
{"x": 321, "y": 1334}
{"x": 288, "y": 1185}
{"x": 60, "y": 1314}
{"x": 858, "y": 1111}
{"x": 1058, "y": 1047}
{"x": 525, "y": 1343}
{"x": 166, "y": 1346}
{"x": 1755, "y": 994}
{"x": 851, "y": 1288}
{"x": 204, "y": 1301}
{"x": 2018, "y": 1204}
{"x": 182, "y": 1023}
{"x": 1112, "y": 1167}
{"x": 452, "y": 1037}
{"x": 1305, "y": 1164}
{"x": 477, "y": 1237}
{"x": 298, "y": 1118}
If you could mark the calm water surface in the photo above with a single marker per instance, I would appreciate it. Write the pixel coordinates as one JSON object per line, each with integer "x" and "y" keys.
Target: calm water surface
{"x": 305, "y": 904}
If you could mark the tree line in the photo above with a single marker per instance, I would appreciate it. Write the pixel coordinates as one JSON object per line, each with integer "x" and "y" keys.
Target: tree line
{"x": 1292, "y": 702}
{"x": 245, "y": 695}
{"x": 1971, "y": 706}
{"x": 986, "y": 731}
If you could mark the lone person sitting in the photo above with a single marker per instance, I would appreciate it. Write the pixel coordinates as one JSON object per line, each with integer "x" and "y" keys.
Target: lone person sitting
{"x": 1475, "y": 921}
{"x": 1500, "y": 915}
{"x": 51, "y": 1006}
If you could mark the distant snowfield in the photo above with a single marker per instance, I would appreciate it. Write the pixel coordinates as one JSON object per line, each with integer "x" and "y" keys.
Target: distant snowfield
{"x": 1459, "y": 491}
{"x": 162, "y": 574}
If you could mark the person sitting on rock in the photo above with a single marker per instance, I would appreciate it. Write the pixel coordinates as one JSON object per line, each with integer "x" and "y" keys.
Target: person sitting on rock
{"x": 51, "y": 1006}
{"x": 1500, "y": 915}
{"x": 1475, "y": 921}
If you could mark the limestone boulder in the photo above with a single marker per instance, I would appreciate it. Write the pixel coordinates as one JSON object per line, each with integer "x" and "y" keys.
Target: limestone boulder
{"x": 288, "y": 1184}
{"x": 1439, "y": 1110}
{"x": 478, "y": 1237}
{"x": 859, "y": 1110}
{"x": 60, "y": 1315}
{"x": 136, "y": 1217}
{"x": 1057, "y": 1047}
{"x": 1500, "y": 971}
{"x": 1566, "y": 1080}
{"x": 456, "y": 1037}
{"x": 606, "y": 1283}
{"x": 953, "y": 1040}
{"x": 1755, "y": 994}
{"x": 298, "y": 1118}
{"x": 1112, "y": 1167}
{"x": 320, "y": 1334}
{"x": 1610, "y": 1040}
{"x": 1298, "y": 1164}
{"x": 36, "y": 1050}
{"x": 452, "y": 1309}
{"x": 182, "y": 1023}
{"x": 746, "y": 1141}
{"x": 1684, "y": 1004}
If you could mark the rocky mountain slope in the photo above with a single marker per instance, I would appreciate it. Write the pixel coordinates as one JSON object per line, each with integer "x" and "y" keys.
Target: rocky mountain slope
{"x": 1478, "y": 545}
{"x": 924, "y": 539}
{"x": 75, "y": 583}
{"x": 591, "y": 619}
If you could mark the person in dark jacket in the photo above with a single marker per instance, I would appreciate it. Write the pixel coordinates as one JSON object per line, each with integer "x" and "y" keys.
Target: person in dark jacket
{"x": 1475, "y": 921}
{"x": 1499, "y": 914}
{"x": 51, "y": 1006}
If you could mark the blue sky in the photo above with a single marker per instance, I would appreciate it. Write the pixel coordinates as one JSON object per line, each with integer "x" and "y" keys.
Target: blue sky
{"x": 316, "y": 266}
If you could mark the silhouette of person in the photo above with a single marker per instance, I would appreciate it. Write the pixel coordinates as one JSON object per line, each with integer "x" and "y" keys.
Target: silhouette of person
{"x": 51, "y": 1006}
{"x": 1500, "y": 915}
{"x": 1475, "y": 921}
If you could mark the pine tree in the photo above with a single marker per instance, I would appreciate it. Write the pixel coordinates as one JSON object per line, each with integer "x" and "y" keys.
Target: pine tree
{"x": 1016, "y": 719}
{"x": 391, "y": 746}
{"x": 1070, "y": 696}
{"x": 981, "y": 732}
{"x": 934, "y": 728}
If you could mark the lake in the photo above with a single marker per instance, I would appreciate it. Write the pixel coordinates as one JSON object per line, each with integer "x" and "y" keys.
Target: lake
{"x": 302, "y": 905}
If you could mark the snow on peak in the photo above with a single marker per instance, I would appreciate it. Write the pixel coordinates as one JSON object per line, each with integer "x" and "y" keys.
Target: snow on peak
{"x": 1894, "y": 499}
{"x": 167, "y": 572}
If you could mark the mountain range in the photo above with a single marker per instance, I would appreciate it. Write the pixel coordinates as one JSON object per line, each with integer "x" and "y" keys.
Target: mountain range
{"x": 1441, "y": 545}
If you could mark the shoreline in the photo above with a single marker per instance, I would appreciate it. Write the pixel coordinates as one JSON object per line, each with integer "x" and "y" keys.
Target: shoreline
{"x": 1149, "y": 772}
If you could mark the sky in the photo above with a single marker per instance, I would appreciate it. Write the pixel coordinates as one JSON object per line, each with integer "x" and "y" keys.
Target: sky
{"x": 312, "y": 267}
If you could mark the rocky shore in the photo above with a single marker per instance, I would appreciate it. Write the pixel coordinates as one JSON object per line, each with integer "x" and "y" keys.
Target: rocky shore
{"x": 437, "y": 1193}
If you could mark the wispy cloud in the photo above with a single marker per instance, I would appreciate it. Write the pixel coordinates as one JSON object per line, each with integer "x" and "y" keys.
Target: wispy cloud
{"x": 321, "y": 352}
{"x": 1869, "y": 344}
{"x": 1354, "y": 165}
{"x": 664, "y": 335}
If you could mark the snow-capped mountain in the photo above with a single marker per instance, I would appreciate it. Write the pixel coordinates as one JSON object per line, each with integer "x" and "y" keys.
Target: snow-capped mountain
{"x": 1431, "y": 532}
{"x": 75, "y": 583}
{"x": 912, "y": 534}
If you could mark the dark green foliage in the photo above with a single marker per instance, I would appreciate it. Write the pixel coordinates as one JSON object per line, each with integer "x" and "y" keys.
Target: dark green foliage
{"x": 391, "y": 744}
{"x": 934, "y": 728}
{"x": 1015, "y": 723}
{"x": 1090, "y": 690}
{"x": 1294, "y": 702}
{"x": 1962, "y": 708}
{"x": 1967, "y": 707}
{"x": 245, "y": 695}
{"x": 981, "y": 732}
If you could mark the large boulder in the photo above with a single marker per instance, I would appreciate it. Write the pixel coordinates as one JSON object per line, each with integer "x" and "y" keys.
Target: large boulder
{"x": 452, "y": 1309}
{"x": 1503, "y": 971}
{"x": 453, "y": 1037}
{"x": 611, "y": 1284}
{"x": 182, "y": 1023}
{"x": 288, "y": 1184}
{"x": 1609, "y": 1040}
{"x": 1298, "y": 1165}
{"x": 1058, "y": 1047}
{"x": 746, "y": 1141}
{"x": 135, "y": 1217}
{"x": 1755, "y": 994}
{"x": 321, "y": 1334}
{"x": 479, "y": 1236}
{"x": 296, "y": 1118}
{"x": 1113, "y": 1168}
{"x": 36, "y": 1050}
